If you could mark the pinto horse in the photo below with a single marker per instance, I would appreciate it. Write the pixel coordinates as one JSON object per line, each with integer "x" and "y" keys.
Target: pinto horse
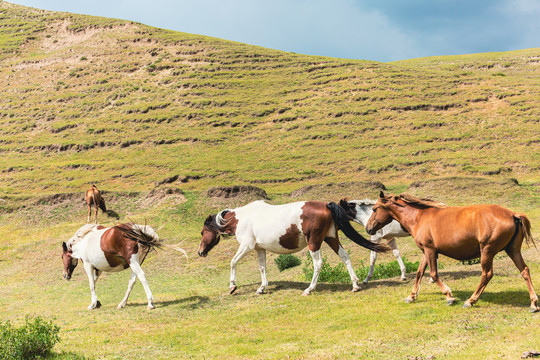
{"x": 94, "y": 199}
{"x": 283, "y": 229}
{"x": 359, "y": 211}
{"x": 110, "y": 249}
{"x": 462, "y": 233}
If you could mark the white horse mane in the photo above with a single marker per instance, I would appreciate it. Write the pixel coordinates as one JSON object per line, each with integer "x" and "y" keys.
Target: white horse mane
{"x": 220, "y": 221}
{"x": 80, "y": 234}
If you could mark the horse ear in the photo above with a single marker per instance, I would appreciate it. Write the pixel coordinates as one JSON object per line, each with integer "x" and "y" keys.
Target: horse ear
{"x": 208, "y": 219}
{"x": 381, "y": 195}
{"x": 64, "y": 246}
{"x": 343, "y": 202}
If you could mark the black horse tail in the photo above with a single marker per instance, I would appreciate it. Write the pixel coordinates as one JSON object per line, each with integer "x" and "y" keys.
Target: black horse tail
{"x": 342, "y": 223}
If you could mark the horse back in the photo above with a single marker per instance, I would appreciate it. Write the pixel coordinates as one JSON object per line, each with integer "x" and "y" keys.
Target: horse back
{"x": 460, "y": 232}
{"x": 282, "y": 228}
{"x": 116, "y": 248}
{"x": 93, "y": 196}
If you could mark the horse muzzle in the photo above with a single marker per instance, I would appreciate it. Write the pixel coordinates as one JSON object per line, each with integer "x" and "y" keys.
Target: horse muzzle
{"x": 370, "y": 230}
{"x": 66, "y": 276}
{"x": 202, "y": 253}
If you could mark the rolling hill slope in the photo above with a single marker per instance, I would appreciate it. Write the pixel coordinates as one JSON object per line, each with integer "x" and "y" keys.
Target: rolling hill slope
{"x": 86, "y": 99}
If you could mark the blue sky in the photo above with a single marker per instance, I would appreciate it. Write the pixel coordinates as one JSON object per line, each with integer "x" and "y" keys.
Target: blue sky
{"x": 380, "y": 30}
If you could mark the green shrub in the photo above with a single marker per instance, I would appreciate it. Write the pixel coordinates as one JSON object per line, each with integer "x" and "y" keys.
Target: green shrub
{"x": 33, "y": 340}
{"x": 287, "y": 261}
{"x": 339, "y": 273}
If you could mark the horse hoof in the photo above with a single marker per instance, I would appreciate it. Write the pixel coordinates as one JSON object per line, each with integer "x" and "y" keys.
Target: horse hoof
{"x": 450, "y": 302}
{"x": 232, "y": 289}
{"x": 403, "y": 279}
{"x": 306, "y": 293}
{"x": 259, "y": 292}
{"x": 121, "y": 306}
{"x": 356, "y": 289}
{"x": 151, "y": 307}
{"x": 534, "y": 309}
{"x": 467, "y": 304}
{"x": 409, "y": 300}
{"x": 94, "y": 306}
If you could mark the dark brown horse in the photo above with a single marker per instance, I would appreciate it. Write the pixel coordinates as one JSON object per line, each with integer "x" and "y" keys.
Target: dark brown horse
{"x": 94, "y": 199}
{"x": 465, "y": 232}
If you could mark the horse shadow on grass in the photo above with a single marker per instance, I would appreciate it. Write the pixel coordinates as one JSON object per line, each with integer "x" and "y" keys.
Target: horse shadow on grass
{"x": 509, "y": 298}
{"x": 275, "y": 286}
{"x": 192, "y": 302}
{"x": 113, "y": 214}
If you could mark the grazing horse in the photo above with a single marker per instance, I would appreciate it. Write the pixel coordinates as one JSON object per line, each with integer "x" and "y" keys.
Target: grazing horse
{"x": 110, "y": 249}
{"x": 94, "y": 199}
{"x": 462, "y": 233}
{"x": 283, "y": 229}
{"x": 359, "y": 211}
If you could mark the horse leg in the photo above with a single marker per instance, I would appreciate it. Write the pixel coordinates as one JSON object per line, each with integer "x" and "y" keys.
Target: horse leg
{"x": 338, "y": 249}
{"x": 136, "y": 268}
{"x": 434, "y": 273}
{"x": 89, "y": 214}
{"x": 372, "y": 260}
{"x": 97, "y": 274}
{"x": 132, "y": 280}
{"x": 393, "y": 245}
{"x": 95, "y": 214}
{"x": 419, "y": 274}
{"x": 486, "y": 262}
{"x": 317, "y": 265}
{"x": 515, "y": 255}
{"x": 242, "y": 251}
{"x": 89, "y": 268}
{"x": 261, "y": 256}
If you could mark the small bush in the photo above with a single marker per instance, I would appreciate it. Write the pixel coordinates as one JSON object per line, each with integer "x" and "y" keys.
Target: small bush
{"x": 339, "y": 273}
{"x": 33, "y": 340}
{"x": 287, "y": 261}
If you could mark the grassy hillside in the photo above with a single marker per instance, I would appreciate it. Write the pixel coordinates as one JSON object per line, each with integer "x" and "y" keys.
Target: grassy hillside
{"x": 86, "y": 99}
{"x": 141, "y": 112}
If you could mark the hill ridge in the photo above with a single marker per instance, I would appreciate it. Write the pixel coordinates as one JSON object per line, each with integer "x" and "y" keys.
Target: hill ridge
{"x": 135, "y": 104}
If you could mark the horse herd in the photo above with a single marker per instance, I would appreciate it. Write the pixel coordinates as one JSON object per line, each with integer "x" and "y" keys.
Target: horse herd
{"x": 461, "y": 233}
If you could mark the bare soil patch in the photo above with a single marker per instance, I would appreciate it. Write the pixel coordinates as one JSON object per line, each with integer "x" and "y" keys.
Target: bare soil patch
{"x": 337, "y": 191}
{"x": 236, "y": 191}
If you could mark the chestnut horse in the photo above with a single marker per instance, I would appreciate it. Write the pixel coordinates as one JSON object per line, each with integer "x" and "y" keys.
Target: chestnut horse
{"x": 94, "y": 199}
{"x": 110, "y": 249}
{"x": 359, "y": 211}
{"x": 462, "y": 233}
{"x": 283, "y": 229}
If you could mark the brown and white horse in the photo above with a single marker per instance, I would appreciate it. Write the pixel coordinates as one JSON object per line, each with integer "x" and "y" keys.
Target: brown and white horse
{"x": 465, "y": 232}
{"x": 110, "y": 249}
{"x": 94, "y": 199}
{"x": 284, "y": 229}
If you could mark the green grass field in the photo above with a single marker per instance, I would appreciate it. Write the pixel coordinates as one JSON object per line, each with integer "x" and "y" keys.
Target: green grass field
{"x": 125, "y": 106}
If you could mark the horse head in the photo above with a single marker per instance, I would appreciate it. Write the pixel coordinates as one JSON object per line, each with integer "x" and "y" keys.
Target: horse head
{"x": 381, "y": 215}
{"x": 210, "y": 236}
{"x": 70, "y": 263}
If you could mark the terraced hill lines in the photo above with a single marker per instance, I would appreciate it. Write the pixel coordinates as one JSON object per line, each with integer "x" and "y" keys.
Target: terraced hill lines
{"x": 136, "y": 104}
